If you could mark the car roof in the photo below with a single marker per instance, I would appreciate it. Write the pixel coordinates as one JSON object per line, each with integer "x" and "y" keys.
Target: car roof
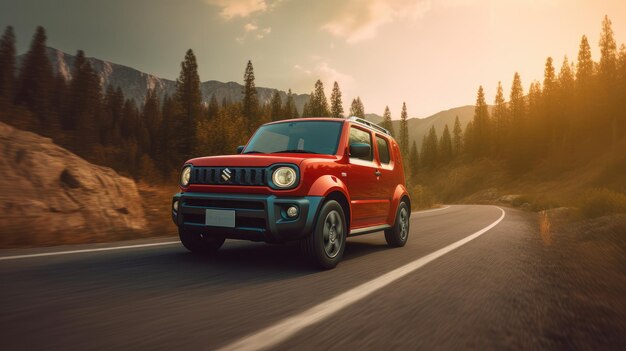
{"x": 354, "y": 120}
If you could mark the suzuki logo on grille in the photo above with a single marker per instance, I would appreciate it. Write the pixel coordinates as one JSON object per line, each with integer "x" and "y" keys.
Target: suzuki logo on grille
{"x": 226, "y": 174}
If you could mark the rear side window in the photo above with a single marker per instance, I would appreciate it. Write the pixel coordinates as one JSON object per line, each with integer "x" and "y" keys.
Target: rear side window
{"x": 360, "y": 136}
{"x": 383, "y": 150}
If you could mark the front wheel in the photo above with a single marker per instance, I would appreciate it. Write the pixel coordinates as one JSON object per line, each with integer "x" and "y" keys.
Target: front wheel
{"x": 324, "y": 247}
{"x": 397, "y": 235}
{"x": 200, "y": 243}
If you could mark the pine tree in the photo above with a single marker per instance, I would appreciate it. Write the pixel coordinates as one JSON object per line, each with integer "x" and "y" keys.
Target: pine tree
{"x": 290, "y": 106}
{"x": 516, "y": 102}
{"x": 58, "y": 101}
{"x": 500, "y": 120}
{"x": 167, "y": 156}
{"x": 213, "y": 108}
{"x": 129, "y": 123}
{"x": 306, "y": 110}
{"x": 584, "y": 69}
{"x": 584, "y": 90}
{"x": 621, "y": 90}
{"x": 386, "y": 123}
{"x": 113, "y": 105}
{"x": 429, "y": 155}
{"x": 404, "y": 132}
{"x": 336, "y": 105}
{"x": 608, "y": 51}
{"x": 445, "y": 146}
{"x": 35, "y": 77}
{"x": 549, "y": 77}
{"x": 250, "y": 103}
{"x": 356, "y": 108}
{"x": 467, "y": 138}
{"x": 276, "y": 106}
{"x": 84, "y": 100}
{"x": 318, "y": 104}
{"x": 608, "y": 97}
{"x": 188, "y": 100}
{"x": 536, "y": 130}
{"x": 457, "y": 137}
{"x": 481, "y": 137}
{"x": 566, "y": 76}
{"x": 152, "y": 119}
{"x": 7, "y": 64}
{"x": 517, "y": 107}
{"x": 546, "y": 123}
{"x": 564, "y": 99}
{"x": 414, "y": 159}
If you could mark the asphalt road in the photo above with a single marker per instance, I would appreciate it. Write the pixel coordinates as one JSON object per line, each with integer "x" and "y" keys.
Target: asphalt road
{"x": 488, "y": 293}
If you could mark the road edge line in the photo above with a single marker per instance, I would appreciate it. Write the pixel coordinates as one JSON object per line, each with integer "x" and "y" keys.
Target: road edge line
{"x": 57, "y": 253}
{"x": 433, "y": 210}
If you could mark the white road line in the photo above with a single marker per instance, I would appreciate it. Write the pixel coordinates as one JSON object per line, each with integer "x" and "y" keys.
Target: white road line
{"x": 433, "y": 210}
{"x": 125, "y": 247}
{"x": 87, "y": 250}
{"x": 271, "y": 336}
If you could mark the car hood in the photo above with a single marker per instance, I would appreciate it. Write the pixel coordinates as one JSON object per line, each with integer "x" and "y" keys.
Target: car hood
{"x": 254, "y": 160}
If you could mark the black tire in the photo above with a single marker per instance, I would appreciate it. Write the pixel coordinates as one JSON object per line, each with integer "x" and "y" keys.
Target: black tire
{"x": 199, "y": 243}
{"x": 398, "y": 235}
{"x": 324, "y": 247}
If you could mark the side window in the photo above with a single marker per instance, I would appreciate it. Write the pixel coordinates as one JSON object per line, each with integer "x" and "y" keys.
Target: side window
{"x": 383, "y": 150}
{"x": 360, "y": 136}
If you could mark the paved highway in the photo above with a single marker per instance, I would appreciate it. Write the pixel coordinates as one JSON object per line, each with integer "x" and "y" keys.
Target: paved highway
{"x": 469, "y": 277}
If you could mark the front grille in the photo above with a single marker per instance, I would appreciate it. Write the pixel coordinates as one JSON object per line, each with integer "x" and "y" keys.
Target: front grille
{"x": 235, "y": 204}
{"x": 228, "y": 176}
{"x": 194, "y": 218}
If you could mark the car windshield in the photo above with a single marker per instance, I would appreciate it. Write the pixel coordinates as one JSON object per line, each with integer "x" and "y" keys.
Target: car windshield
{"x": 314, "y": 137}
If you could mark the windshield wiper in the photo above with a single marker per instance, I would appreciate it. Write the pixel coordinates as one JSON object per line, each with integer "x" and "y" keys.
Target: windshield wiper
{"x": 253, "y": 152}
{"x": 295, "y": 151}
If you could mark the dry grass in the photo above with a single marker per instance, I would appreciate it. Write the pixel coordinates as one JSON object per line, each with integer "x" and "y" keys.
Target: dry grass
{"x": 156, "y": 200}
{"x": 599, "y": 202}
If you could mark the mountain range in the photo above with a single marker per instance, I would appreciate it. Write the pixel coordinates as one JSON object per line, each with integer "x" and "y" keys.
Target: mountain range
{"x": 135, "y": 85}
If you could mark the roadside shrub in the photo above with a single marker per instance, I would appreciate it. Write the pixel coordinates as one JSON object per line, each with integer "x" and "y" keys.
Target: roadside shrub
{"x": 421, "y": 197}
{"x": 601, "y": 201}
{"x": 535, "y": 203}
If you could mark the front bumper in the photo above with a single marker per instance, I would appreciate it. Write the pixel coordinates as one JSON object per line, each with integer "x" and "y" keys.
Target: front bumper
{"x": 257, "y": 217}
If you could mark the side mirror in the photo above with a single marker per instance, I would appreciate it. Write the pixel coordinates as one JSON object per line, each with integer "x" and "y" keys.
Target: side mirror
{"x": 240, "y": 149}
{"x": 360, "y": 150}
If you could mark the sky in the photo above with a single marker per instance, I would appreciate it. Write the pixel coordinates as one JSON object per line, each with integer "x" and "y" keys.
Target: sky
{"x": 431, "y": 54}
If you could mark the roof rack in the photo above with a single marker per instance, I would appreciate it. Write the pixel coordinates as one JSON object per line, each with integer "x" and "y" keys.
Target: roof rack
{"x": 368, "y": 124}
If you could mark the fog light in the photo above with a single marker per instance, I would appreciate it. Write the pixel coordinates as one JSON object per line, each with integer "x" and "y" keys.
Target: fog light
{"x": 292, "y": 211}
{"x": 175, "y": 206}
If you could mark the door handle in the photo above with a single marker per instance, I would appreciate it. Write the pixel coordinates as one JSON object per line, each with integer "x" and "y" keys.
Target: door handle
{"x": 378, "y": 174}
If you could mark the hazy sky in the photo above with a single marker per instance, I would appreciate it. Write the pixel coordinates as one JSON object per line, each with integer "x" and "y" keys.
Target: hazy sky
{"x": 432, "y": 54}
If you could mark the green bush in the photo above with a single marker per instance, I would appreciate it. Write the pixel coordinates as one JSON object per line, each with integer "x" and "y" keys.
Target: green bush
{"x": 599, "y": 202}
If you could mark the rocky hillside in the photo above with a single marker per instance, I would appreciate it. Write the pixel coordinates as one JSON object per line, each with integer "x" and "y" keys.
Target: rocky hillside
{"x": 135, "y": 84}
{"x": 49, "y": 195}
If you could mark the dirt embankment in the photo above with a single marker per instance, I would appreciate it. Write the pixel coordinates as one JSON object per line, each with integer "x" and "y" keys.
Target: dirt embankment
{"x": 48, "y": 195}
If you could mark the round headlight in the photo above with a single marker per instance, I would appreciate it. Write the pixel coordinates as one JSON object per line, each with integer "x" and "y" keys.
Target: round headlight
{"x": 185, "y": 176}
{"x": 284, "y": 177}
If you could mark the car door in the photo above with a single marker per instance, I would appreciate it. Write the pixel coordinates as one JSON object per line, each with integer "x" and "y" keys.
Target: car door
{"x": 363, "y": 183}
{"x": 386, "y": 180}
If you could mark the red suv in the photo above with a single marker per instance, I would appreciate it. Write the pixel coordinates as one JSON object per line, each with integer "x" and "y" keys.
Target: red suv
{"x": 316, "y": 180}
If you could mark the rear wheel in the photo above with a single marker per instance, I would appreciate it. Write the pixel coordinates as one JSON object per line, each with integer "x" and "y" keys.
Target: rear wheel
{"x": 200, "y": 243}
{"x": 397, "y": 235}
{"x": 324, "y": 247}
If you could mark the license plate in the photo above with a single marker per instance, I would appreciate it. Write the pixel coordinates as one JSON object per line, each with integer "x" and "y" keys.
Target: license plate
{"x": 220, "y": 218}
